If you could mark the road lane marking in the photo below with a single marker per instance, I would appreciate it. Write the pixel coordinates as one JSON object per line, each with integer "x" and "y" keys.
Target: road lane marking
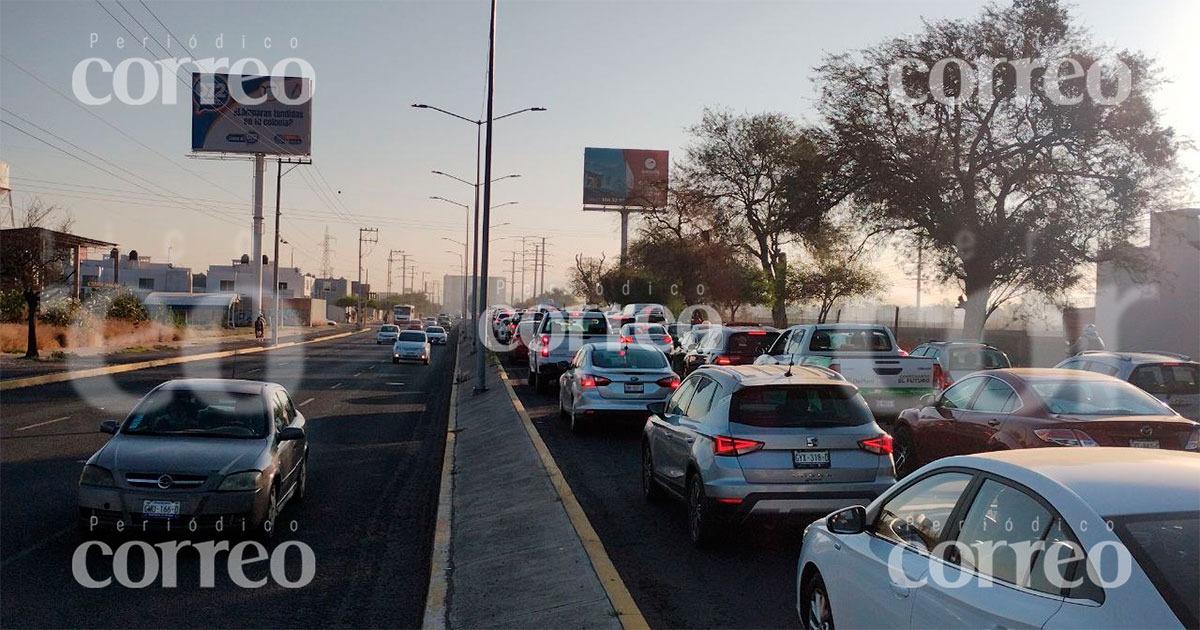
{"x": 439, "y": 557}
{"x": 358, "y": 373}
{"x": 304, "y": 403}
{"x": 254, "y": 370}
{"x": 618, "y": 594}
{"x": 40, "y": 424}
{"x": 36, "y": 546}
{"x": 393, "y": 383}
{"x": 370, "y": 367}
{"x": 336, "y": 386}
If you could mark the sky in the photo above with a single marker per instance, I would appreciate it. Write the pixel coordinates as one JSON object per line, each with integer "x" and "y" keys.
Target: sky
{"x": 611, "y": 74}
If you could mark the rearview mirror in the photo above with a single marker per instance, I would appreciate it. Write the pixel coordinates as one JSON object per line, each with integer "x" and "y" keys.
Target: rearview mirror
{"x": 851, "y": 520}
{"x": 657, "y": 408}
{"x": 291, "y": 433}
{"x": 929, "y": 400}
{"x": 108, "y": 426}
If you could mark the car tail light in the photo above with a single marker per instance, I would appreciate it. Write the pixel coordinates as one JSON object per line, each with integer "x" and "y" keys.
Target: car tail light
{"x": 756, "y": 332}
{"x": 545, "y": 340}
{"x": 1193, "y": 443}
{"x": 903, "y": 352}
{"x": 589, "y": 380}
{"x": 722, "y": 360}
{"x": 667, "y": 339}
{"x": 626, "y": 339}
{"x": 835, "y": 367}
{"x": 733, "y": 447}
{"x": 1065, "y": 437}
{"x": 941, "y": 380}
{"x": 669, "y": 381}
{"x": 881, "y": 445}
{"x": 545, "y": 350}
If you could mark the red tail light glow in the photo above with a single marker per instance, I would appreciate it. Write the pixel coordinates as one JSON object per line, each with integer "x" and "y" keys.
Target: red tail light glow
{"x": 722, "y": 360}
{"x": 734, "y": 447}
{"x": 588, "y": 380}
{"x": 836, "y": 367}
{"x": 941, "y": 380}
{"x": 1065, "y": 437}
{"x": 669, "y": 381}
{"x": 545, "y": 350}
{"x": 881, "y": 445}
{"x": 667, "y": 339}
{"x": 756, "y": 332}
{"x": 545, "y": 339}
{"x": 626, "y": 339}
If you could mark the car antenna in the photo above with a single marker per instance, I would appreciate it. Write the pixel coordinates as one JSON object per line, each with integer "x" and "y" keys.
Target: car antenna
{"x": 791, "y": 362}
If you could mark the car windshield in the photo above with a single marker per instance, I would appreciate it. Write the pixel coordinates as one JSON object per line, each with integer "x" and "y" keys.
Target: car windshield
{"x": 411, "y": 335}
{"x": 1096, "y": 397}
{"x": 388, "y": 328}
{"x": 751, "y": 343}
{"x": 1167, "y": 548}
{"x": 435, "y": 329}
{"x": 198, "y": 413}
{"x": 976, "y": 359}
{"x": 799, "y": 406}
{"x": 643, "y": 358}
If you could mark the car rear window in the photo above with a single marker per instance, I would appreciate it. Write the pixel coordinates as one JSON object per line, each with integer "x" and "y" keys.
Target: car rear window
{"x": 199, "y": 413}
{"x": 850, "y": 340}
{"x": 410, "y": 335}
{"x": 976, "y": 359}
{"x": 1101, "y": 398}
{"x": 751, "y": 343}
{"x": 644, "y": 358}
{"x": 1167, "y": 548}
{"x": 799, "y": 406}
{"x": 643, "y": 329}
{"x": 1179, "y": 379}
{"x": 578, "y": 325}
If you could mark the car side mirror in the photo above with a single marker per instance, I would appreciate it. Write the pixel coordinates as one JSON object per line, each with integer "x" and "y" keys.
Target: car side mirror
{"x": 929, "y": 400}
{"x": 658, "y": 408}
{"x": 108, "y": 426}
{"x": 291, "y": 433}
{"x": 851, "y": 520}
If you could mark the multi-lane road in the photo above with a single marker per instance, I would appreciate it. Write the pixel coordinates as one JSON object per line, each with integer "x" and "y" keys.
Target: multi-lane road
{"x": 746, "y": 582}
{"x": 376, "y": 433}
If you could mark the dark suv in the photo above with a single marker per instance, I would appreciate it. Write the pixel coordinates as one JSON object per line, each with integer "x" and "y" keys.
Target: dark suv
{"x": 728, "y": 345}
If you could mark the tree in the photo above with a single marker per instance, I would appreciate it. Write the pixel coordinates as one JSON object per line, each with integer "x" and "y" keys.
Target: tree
{"x": 30, "y": 261}
{"x": 585, "y": 278}
{"x": 750, "y": 167}
{"x": 1009, "y": 188}
{"x": 346, "y": 301}
{"x": 835, "y": 275}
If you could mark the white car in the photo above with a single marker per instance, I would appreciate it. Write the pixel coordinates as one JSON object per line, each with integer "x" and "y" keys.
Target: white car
{"x": 436, "y": 334}
{"x": 387, "y": 334}
{"x": 411, "y": 345}
{"x": 1033, "y": 538}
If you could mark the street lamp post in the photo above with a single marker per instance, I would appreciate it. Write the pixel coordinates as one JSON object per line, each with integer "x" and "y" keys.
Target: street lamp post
{"x": 463, "y": 264}
{"x": 466, "y": 238}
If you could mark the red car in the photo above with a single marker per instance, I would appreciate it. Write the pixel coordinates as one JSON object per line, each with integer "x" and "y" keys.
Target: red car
{"x": 1036, "y": 407}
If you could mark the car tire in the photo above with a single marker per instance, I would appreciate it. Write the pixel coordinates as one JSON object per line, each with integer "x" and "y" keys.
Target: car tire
{"x": 702, "y": 525}
{"x": 426, "y": 361}
{"x": 904, "y": 452}
{"x": 395, "y": 360}
{"x": 539, "y": 383}
{"x": 818, "y": 614}
{"x": 651, "y": 491}
{"x": 301, "y": 481}
{"x": 529, "y": 376}
{"x": 264, "y": 532}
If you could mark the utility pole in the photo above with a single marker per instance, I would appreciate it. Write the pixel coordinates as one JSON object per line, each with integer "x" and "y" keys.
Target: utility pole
{"x": 256, "y": 234}
{"x": 512, "y": 277}
{"x": 279, "y": 162}
{"x": 523, "y": 266}
{"x": 543, "y": 289}
{"x": 365, "y": 235}
{"x": 920, "y": 264}
{"x": 403, "y": 272}
{"x": 392, "y": 259}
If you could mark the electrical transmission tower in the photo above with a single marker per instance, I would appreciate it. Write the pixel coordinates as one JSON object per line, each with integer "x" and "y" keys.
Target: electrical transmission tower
{"x": 327, "y": 255}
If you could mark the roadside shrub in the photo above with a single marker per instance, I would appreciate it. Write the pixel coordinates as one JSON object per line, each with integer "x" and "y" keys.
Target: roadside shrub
{"x": 59, "y": 310}
{"x": 12, "y": 306}
{"x": 127, "y": 307}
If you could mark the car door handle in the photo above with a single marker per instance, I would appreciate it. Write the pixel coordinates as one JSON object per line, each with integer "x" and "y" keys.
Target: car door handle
{"x": 899, "y": 591}
{"x": 993, "y": 422}
{"x": 689, "y": 439}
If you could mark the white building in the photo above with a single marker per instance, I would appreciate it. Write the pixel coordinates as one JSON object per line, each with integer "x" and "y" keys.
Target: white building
{"x": 138, "y": 273}
{"x": 238, "y": 277}
{"x": 1157, "y": 308}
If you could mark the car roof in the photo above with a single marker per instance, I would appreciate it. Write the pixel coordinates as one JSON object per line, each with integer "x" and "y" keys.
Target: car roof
{"x": 760, "y": 375}
{"x": 1053, "y": 374}
{"x": 1136, "y": 357}
{"x": 234, "y": 385}
{"x": 1112, "y": 480}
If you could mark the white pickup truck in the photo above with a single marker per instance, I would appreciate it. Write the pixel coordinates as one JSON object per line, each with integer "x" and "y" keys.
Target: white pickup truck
{"x": 558, "y": 336}
{"x": 866, "y": 355}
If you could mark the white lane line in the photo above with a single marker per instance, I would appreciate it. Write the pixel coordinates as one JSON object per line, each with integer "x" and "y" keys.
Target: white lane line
{"x": 254, "y": 370}
{"x": 336, "y": 386}
{"x": 393, "y": 383}
{"x": 370, "y": 367}
{"x": 45, "y": 541}
{"x": 358, "y": 373}
{"x": 305, "y": 402}
{"x": 44, "y": 423}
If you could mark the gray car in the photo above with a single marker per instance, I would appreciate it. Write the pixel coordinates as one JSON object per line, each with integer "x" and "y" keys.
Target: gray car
{"x": 225, "y": 454}
{"x": 612, "y": 379}
{"x": 1172, "y": 378}
{"x": 763, "y": 440}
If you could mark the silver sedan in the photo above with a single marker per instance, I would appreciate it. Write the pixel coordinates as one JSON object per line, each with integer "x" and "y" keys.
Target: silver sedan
{"x": 227, "y": 455}
{"x": 613, "y": 379}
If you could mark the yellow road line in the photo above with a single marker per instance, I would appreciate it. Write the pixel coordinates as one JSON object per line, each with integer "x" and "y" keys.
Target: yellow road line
{"x": 439, "y": 558}
{"x": 618, "y": 595}
{"x": 70, "y": 375}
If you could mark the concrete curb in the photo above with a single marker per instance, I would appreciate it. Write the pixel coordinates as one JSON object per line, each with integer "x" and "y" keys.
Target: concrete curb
{"x": 59, "y": 377}
{"x": 439, "y": 561}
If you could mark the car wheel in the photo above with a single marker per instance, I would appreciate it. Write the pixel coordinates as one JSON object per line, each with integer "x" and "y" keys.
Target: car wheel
{"x": 702, "y": 528}
{"x": 651, "y": 491}
{"x": 818, "y": 614}
{"x": 266, "y": 527}
{"x": 904, "y": 452}
{"x": 562, "y": 409}
{"x": 539, "y": 383}
{"x": 395, "y": 360}
{"x": 529, "y": 376}
{"x": 426, "y": 361}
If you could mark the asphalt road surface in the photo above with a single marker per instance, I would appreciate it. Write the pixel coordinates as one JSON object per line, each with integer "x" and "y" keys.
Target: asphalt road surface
{"x": 747, "y": 581}
{"x": 376, "y": 434}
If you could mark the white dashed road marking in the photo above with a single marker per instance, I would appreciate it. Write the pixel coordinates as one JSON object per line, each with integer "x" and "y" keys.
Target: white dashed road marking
{"x": 44, "y": 423}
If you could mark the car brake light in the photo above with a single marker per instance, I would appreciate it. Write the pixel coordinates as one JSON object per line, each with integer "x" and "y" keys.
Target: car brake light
{"x": 667, "y": 339}
{"x": 881, "y": 445}
{"x": 733, "y": 447}
{"x": 903, "y": 352}
{"x": 545, "y": 339}
{"x": 722, "y": 360}
{"x": 589, "y": 380}
{"x": 756, "y": 332}
{"x": 545, "y": 351}
{"x": 940, "y": 379}
{"x": 1065, "y": 437}
{"x": 669, "y": 381}
{"x": 835, "y": 367}
{"x": 626, "y": 339}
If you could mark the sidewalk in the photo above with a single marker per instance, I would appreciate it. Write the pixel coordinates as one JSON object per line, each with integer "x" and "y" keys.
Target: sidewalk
{"x": 515, "y": 558}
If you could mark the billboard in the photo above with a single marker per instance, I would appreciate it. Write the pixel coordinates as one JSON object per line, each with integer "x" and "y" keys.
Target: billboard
{"x": 634, "y": 178}
{"x": 242, "y": 114}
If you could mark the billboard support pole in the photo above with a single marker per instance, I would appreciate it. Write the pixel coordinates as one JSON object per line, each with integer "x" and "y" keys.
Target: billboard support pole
{"x": 275, "y": 257}
{"x": 482, "y": 243}
{"x": 256, "y": 306}
{"x": 624, "y": 235}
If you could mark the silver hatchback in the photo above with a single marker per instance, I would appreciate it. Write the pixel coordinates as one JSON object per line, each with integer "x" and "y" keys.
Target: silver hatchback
{"x": 613, "y": 379}
{"x": 763, "y": 440}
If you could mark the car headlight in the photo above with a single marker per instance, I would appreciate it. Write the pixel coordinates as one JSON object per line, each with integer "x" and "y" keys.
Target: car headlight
{"x": 94, "y": 475}
{"x": 247, "y": 480}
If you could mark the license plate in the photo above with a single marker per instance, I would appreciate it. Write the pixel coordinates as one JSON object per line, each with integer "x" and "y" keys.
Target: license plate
{"x": 634, "y": 388}
{"x": 160, "y": 509}
{"x": 810, "y": 459}
{"x": 1143, "y": 443}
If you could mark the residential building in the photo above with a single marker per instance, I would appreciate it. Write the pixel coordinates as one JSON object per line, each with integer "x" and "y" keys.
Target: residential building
{"x": 138, "y": 273}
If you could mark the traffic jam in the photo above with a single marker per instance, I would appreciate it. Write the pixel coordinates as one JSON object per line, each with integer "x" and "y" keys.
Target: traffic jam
{"x": 942, "y": 460}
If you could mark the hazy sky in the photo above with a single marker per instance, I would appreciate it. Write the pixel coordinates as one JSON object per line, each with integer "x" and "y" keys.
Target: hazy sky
{"x": 617, "y": 74}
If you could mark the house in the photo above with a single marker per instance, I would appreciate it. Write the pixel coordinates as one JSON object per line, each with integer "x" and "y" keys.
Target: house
{"x": 138, "y": 273}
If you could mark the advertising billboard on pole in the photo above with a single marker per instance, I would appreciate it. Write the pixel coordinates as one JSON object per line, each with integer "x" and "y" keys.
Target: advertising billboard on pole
{"x": 631, "y": 178}
{"x": 242, "y": 114}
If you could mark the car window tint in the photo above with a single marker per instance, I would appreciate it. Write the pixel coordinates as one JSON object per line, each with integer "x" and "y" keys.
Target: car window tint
{"x": 1167, "y": 548}
{"x": 751, "y": 343}
{"x": 919, "y": 351}
{"x": 799, "y": 406}
{"x": 1097, "y": 397}
{"x": 1060, "y": 563}
{"x": 976, "y": 359}
{"x": 679, "y": 401}
{"x": 702, "y": 400}
{"x": 278, "y": 412}
{"x": 1165, "y": 379}
{"x": 958, "y": 396}
{"x": 781, "y": 342}
{"x": 850, "y": 340}
{"x": 411, "y": 335}
{"x": 995, "y": 397}
{"x": 629, "y": 357}
{"x": 917, "y": 515}
{"x": 999, "y": 533}
{"x": 199, "y": 413}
